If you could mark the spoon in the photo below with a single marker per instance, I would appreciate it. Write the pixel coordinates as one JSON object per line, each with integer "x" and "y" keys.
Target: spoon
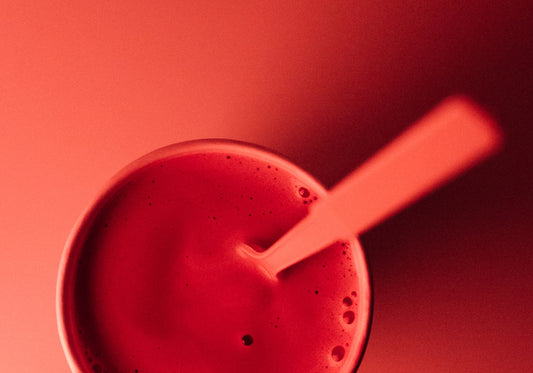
{"x": 447, "y": 141}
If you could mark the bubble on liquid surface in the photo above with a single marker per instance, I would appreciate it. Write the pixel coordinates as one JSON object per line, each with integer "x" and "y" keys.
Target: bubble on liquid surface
{"x": 348, "y": 317}
{"x": 247, "y": 340}
{"x": 347, "y": 301}
{"x": 337, "y": 354}
{"x": 303, "y": 192}
{"x": 354, "y": 293}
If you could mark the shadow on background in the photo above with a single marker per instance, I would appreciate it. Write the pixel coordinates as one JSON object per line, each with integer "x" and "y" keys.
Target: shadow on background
{"x": 453, "y": 273}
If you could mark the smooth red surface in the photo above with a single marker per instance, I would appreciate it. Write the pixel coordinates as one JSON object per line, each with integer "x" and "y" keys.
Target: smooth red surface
{"x": 86, "y": 88}
{"x": 154, "y": 280}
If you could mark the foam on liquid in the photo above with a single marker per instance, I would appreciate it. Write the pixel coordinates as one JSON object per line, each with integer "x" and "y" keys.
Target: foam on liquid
{"x": 159, "y": 287}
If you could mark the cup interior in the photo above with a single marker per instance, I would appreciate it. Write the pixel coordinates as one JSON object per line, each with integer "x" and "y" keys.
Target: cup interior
{"x": 72, "y": 253}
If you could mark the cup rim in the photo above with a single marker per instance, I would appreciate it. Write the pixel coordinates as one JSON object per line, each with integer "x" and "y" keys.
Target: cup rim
{"x": 180, "y": 149}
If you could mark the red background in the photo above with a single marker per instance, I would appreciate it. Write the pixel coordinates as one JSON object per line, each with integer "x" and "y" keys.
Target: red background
{"x": 87, "y": 87}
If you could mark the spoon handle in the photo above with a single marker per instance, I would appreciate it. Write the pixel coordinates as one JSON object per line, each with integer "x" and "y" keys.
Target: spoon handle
{"x": 447, "y": 141}
{"x": 444, "y": 143}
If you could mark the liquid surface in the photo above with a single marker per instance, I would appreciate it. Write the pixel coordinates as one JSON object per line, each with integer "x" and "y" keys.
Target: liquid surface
{"x": 157, "y": 284}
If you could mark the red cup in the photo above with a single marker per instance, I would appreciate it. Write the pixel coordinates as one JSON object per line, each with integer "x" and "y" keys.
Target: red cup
{"x": 150, "y": 279}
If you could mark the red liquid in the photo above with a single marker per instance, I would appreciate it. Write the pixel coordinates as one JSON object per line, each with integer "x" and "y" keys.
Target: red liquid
{"x": 154, "y": 282}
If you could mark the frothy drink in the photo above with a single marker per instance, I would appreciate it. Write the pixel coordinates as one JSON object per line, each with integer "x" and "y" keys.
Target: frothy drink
{"x": 151, "y": 280}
